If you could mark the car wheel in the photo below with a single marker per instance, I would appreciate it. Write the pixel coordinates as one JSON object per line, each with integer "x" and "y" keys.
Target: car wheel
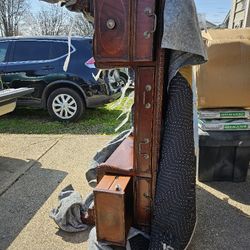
{"x": 65, "y": 104}
{"x": 123, "y": 79}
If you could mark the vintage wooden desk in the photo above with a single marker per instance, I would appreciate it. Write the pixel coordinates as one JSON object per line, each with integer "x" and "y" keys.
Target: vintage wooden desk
{"x": 128, "y": 34}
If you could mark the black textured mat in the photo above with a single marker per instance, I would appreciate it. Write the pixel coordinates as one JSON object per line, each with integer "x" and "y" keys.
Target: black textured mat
{"x": 139, "y": 243}
{"x": 174, "y": 213}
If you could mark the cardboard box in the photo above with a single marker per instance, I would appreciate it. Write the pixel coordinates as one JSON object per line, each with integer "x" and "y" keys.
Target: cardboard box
{"x": 224, "y": 81}
{"x": 224, "y": 125}
{"x": 223, "y": 113}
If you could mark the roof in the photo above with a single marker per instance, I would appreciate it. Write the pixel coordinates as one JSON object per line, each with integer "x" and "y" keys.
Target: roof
{"x": 210, "y": 24}
{"x": 45, "y": 38}
{"x": 227, "y": 34}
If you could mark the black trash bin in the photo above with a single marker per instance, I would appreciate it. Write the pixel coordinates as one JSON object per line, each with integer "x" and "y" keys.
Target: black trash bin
{"x": 224, "y": 156}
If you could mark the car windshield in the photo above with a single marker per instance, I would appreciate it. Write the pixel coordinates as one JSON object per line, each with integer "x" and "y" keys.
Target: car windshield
{"x": 3, "y": 51}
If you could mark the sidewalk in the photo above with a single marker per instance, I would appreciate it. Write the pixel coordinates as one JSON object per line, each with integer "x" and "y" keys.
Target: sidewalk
{"x": 35, "y": 168}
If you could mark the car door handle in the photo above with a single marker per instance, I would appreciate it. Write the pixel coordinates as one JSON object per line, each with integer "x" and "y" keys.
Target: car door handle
{"x": 47, "y": 67}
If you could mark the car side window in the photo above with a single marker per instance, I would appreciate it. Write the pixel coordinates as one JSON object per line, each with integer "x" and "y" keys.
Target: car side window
{"x": 31, "y": 51}
{"x": 3, "y": 51}
{"x": 59, "y": 49}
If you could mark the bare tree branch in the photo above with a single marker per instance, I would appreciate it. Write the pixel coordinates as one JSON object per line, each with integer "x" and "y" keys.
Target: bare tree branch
{"x": 54, "y": 21}
{"x": 82, "y": 26}
{"x": 11, "y": 14}
{"x": 51, "y": 21}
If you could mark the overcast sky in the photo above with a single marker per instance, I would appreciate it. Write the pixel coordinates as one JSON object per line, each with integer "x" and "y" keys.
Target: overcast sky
{"x": 215, "y": 10}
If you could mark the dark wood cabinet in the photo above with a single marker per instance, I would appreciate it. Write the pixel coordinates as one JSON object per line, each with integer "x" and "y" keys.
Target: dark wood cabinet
{"x": 126, "y": 35}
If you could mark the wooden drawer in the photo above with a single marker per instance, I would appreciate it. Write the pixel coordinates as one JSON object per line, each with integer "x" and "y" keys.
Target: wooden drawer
{"x": 144, "y": 25}
{"x": 144, "y": 106}
{"x": 143, "y": 200}
{"x": 124, "y": 32}
{"x": 114, "y": 209}
{"x": 112, "y": 31}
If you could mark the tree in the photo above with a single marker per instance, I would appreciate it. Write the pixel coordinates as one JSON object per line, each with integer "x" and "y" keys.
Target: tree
{"x": 11, "y": 14}
{"x": 51, "y": 21}
{"x": 54, "y": 20}
{"x": 81, "y": 26}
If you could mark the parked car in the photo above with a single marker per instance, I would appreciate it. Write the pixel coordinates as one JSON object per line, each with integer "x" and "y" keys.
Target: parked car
{"x": 37, "y": 62}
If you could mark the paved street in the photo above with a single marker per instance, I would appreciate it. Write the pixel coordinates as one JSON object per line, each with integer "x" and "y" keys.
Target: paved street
{"x": 34, "y": 168}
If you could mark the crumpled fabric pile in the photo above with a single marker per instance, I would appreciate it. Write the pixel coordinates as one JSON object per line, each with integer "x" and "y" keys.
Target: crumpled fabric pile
{"x": 62, "y": 2}
{"x": 68, "y": 213}
{"x": 72, "y": 5}
{"x": 75, "y": 6}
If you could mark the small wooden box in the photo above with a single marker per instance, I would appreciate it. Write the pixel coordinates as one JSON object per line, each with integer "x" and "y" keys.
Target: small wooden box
{"x": 114, "y": 209}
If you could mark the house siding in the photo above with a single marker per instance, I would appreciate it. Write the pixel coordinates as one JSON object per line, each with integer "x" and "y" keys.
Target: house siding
{"x": 240, "y": 14}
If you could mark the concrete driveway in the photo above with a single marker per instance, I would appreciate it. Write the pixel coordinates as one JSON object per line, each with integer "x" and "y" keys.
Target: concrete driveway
{"x": 35, "y": 168}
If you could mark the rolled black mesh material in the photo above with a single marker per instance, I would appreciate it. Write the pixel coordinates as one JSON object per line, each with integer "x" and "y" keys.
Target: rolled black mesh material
{"x": 174, "y": 213}
{"x": 139, "y": 243}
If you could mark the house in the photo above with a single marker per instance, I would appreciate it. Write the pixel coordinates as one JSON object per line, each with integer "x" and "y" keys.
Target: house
{"x": 205, "y": 24}
{"x": 239, "y": 15}
{"x": 211, "y": 25}
{"x": 225, "y": 23}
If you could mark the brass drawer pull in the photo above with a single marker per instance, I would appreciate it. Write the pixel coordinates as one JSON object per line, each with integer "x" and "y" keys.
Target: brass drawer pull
{"x": 111, "y": 24}
{"x": 148, "y": 11}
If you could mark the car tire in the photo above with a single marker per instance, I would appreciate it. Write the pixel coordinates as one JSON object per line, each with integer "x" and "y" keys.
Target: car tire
{"x": 123, "y": 79}
{"x": 65, "y": 104}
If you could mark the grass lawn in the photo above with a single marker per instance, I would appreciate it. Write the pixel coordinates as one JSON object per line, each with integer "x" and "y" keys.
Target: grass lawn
{"x": 36, "y": 121}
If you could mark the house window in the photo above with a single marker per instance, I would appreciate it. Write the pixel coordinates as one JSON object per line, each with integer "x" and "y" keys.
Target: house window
{"x": 241, "y": 23}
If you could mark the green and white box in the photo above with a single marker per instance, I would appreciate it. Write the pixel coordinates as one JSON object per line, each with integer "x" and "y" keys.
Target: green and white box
{"x": 224, "y": 125}
{"x": 224, "y": 114}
